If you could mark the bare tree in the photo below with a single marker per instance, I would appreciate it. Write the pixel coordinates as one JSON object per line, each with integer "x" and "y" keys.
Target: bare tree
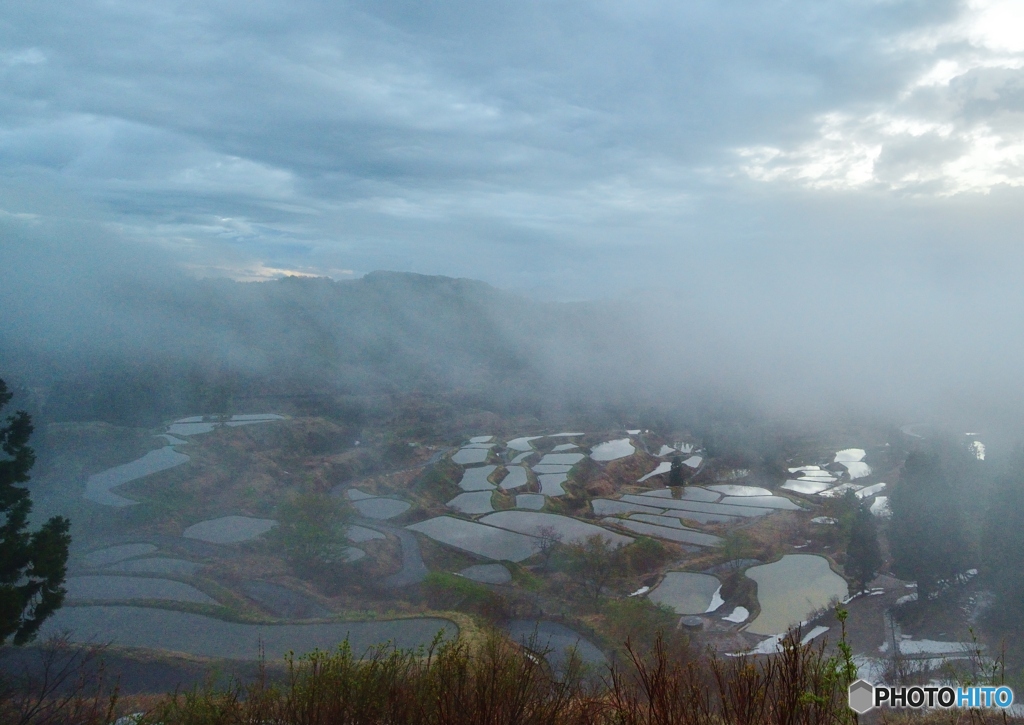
{"x": 548, "y": 540}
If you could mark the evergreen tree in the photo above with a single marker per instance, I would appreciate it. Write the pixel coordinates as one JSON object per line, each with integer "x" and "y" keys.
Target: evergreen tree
{"x": 929, "y": 543}
{"x": 1003, "y": 543}
{"x": 675, "y": 473}
{"x": 32, "y": 564}
{"x": 863, "y": 555}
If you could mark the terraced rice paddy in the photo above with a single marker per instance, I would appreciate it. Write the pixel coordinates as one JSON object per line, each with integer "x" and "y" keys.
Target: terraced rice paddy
{"x": 98, "y": 486}
{"x": 522, "y": 444}
{"x": 203, "y": 636}
{"x": 476, "y": 538}
{"x": 477, "y": 502}
{"x": 380, "y": 508}
{"x": 516, "y": 478}
{"x": 533, "y": 524}
{"x": 475, "y": 479}
{"x": 556, "y": 642}
{"x": 791, "y": 589}
{"x": 551, "y": 483}
{"x": 229, "y": 529}
{"x": 533, "y": 501}
{"x": 112, "y": 554}
{"x": 360, "y": 534}
{"x": 686, "y": 592}
{"x": 157, "y": 565}
{"x": 470, "y": 456}
{"x": 487, "y": 574}
{"x": 111, "y": 587}
{"x": 613, "y": 450}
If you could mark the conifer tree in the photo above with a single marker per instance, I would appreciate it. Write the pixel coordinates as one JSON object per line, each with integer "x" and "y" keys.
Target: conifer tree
{"x": 33, "y": 564}
{"x": 863, "y": 555}
{"x": 675, "y": 473}
{"x": 929, "y": 543}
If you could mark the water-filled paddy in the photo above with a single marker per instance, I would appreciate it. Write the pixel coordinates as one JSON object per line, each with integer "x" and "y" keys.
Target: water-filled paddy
{"x": 612, "y": 450}
{"x": 858, "y": 469}
{"x": 381, "y": 508}
{"x": 486, "y": 541}
{"x": 561, "y": 459}
{"x": 687, "y": 493}
{"x": 157, "y": 565}
{"x": 522, "y": 444}
{"x": 229, "y": 529}
{"x": 533, "y": 524}
{"x": 557, "y": 641}
{"x": 533, "y": 501}
{"x": 806, "y": 487}
{"x": 693, "y": 461}
{"x": 611, "y": 507}
{"x": 735, "y": 490}
{"x": 481, "y": 439}
{"x": 97, "y": 488}
{"x": 770, "y": 502}
{"x": 487, "y": 574}
{"x": 686, "y": 592}
{"x": 699, "y": 506}
{"x": 475, "y": 479}
{"x": 850, "y": 455}
{"x": 516, "y": 478}
{"x": 208, "y": 637}
{"x": 477, "y": 502}
{"x": 360, "y": 534}
{"x": 541, "y": 468}
{"x": 190, "y": 429}
{"x": 870, "y": 491}
{"x": 564, "y": 447}
{"x": 551, "y": 484}
{"x": 791, "y": 589}
{"x": 112, "y": 554}
{"x": 469, "y": 456}
{"x": 677, "y": 534}
{"x": 130, "y": 587}
{"x": 522, "y": 457}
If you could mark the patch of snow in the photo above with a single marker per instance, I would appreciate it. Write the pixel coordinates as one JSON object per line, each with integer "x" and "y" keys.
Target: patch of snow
{"x": 663, "y": 467}
{"x": 978, "y": 449}
{"x": 716, "y": 601}
{"x": 827, "y": 520}
{"x": 640, "y": 591}
{"x": 816, "y": 632}
{"x": 935, "y": 647}
{"x": 870, "y": 490}
{"x": 906, "y": 598}
{"x": 739, "y": 614}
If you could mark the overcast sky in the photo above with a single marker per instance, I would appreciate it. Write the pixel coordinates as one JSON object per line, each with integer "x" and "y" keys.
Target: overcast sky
{"x": 572, "y": 149}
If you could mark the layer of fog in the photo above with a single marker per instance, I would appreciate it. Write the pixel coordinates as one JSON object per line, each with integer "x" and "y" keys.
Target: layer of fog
{"x": 907, "y": 321}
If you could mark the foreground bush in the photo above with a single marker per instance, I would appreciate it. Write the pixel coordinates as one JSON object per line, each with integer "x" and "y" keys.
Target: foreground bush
{"x": 498, "y": 683}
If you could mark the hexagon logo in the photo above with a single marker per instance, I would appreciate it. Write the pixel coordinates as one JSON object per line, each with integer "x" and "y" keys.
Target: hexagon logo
{"x": 862, "y": 696}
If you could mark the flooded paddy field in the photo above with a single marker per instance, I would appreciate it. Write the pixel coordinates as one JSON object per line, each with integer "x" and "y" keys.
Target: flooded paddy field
{"x": 195, "y": 634}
